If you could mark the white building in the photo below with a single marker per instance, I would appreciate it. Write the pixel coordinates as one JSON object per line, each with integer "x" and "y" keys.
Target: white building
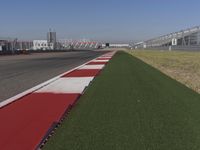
{"x": 42, "y": 45}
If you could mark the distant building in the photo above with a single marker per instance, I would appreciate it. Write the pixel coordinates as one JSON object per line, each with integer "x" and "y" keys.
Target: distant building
{"x": 49, "y": 44}
{"x": 42, "y": 45}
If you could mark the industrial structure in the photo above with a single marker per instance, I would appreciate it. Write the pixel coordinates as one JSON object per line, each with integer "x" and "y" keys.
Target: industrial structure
{"x": 7, "y": 44}
{"x": 184, "y": 39}
{"x": 52, "y": 40}
{"x": 13, "y": 44}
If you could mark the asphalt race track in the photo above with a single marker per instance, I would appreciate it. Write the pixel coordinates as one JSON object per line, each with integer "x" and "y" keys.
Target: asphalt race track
{"x": 36, "y": 115}
{"x": 21, "y": 72}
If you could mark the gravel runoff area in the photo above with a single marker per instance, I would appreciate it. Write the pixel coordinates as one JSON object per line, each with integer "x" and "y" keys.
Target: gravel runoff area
{"x": 132, "y": 105}
{"x": 181, "y": 66}
{"x": 21, "y": 72}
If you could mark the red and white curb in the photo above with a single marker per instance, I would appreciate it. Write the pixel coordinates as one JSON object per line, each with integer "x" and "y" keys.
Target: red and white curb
{"x": 29, "y": 117}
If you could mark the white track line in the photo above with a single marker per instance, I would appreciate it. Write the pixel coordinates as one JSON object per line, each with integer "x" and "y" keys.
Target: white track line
{"x": 106, "y": 57}
{"x": 91, "y": 67}
{"x": 100, "y": 61}
{"x": 67, "y": 85}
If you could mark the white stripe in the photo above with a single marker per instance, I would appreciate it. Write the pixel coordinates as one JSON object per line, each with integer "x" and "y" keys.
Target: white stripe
{"x": 107, "y": 56}
{"x": 67, "y": 85}
{"x": 104, "y": 57}
{"x": 92, "y": 67}
{"x": 100, "y": 61}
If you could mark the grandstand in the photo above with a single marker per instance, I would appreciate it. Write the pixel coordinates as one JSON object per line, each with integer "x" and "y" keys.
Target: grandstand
{"x": 79, "y": 44}
{"x": 184, "y": 39}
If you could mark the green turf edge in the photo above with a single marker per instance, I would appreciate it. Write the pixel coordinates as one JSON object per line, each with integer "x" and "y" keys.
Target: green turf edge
{"x": 131, "y": 105}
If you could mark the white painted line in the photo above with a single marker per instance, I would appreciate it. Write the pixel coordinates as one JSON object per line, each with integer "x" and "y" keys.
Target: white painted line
{"x": 105, "y": 57}
{"x": 31, "y": 90}
{"x": 14, "y": 98}
{"x": 100, "y": 61}
{"x": 92, "y": 67}
{"x": 108, "y": 54}
{"x": 67, "y": 85}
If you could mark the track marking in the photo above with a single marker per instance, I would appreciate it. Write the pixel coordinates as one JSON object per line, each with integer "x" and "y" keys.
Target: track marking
{"x": 67, "y": 85}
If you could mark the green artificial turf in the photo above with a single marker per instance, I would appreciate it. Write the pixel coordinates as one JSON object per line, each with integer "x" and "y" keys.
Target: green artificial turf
{"x": 132, "y": 106}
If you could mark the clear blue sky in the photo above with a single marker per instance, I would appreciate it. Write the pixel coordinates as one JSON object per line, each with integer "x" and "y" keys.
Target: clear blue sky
{"x": 113, "y": 20}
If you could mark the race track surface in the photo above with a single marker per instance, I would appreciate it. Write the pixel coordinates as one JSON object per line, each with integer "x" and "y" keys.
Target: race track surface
{"x": 21, "y": 72}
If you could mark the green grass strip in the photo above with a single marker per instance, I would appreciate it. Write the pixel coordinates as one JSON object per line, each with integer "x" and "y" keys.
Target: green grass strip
{"x": 129, "y": 106}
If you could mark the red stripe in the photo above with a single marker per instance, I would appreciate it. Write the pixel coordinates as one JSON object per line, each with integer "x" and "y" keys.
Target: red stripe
{"x": 83, "y": 73}
{"x": 26, "y": 121}
{"x": 103, "y": 58}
